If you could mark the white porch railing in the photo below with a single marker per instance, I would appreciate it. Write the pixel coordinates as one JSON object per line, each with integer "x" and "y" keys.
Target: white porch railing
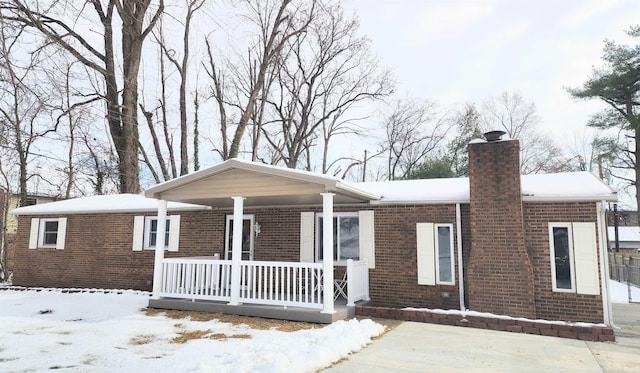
{"x": 261, "y": 282}
{"x": 357, "y": 281}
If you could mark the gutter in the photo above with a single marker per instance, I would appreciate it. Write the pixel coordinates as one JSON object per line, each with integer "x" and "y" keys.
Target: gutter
{"x": 463, "y": 308}
{"x": 604, "y": 265}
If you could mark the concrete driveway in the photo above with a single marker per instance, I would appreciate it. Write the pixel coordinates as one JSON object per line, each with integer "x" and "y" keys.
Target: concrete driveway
{"x": 421, "y": 347}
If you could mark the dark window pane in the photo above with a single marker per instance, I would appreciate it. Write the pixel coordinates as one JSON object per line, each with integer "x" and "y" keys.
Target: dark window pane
{"x": 562, "y": 258}
{"x": 153, "y": 232}
{"x": 444, "y": 254}
{"x": 50, "y": 232}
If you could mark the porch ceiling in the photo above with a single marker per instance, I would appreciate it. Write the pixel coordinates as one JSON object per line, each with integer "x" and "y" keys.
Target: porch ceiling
{"x": 261, "y": 185}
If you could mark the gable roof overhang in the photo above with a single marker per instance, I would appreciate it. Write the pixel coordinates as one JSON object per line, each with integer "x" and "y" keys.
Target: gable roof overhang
{"x": 261, "y": 185}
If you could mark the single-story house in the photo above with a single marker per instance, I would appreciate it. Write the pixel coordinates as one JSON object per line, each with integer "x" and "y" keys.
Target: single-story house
{"x": 528, "y": 246}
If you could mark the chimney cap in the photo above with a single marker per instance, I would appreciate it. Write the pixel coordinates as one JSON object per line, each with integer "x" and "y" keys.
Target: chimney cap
{"x": 492, "y": 136}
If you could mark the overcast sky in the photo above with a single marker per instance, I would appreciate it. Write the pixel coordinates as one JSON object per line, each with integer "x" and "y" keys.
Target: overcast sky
{"x": 455, "y": 51}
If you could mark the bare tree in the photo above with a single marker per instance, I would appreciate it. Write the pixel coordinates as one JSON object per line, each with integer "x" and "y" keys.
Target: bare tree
{"x": 241, "y": 89}
{"x": 182, "y": 66}
{"x": 57, "y": 23}
{"x": 414, "y": 130}
{"x": 511, "y": 113}
{"x": 325, "y": 72}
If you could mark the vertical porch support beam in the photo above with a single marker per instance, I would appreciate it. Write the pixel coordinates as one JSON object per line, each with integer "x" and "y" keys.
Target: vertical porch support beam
{"x": 159, "y": 251}
{"x": 327, "y": 252}
{"x": 236, "y": 250}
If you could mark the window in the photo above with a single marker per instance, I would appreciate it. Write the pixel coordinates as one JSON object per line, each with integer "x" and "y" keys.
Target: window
{"x": 48, "y": 233}
{"x": 30, "y": 201}
{"x": 145, "y": 232}
{"x": 435, "y": 254}
{"x": 574, "y": 261}
{"x": 151, "y": 232}
{"x": 353, "y": 237}
{"x": 444, "y": 246}
{"x": 346, "y": 234}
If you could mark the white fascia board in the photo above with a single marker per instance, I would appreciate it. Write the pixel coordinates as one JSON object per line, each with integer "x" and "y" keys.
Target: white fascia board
{"x": 596, "y": 198}
{"x": 107, "y": 211}
{"x": 362, "y": 193}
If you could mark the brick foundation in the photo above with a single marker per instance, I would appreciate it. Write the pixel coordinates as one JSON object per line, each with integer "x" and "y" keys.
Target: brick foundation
{"x": 564, "y": 330}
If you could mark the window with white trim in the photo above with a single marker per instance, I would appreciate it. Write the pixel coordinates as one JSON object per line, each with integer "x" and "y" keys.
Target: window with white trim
{"x": 574, "y": 258}
{"x": 145, "y": 233}
{"x": 435, "y": 254}
{"x": 151, "y": 232}
{"x": 353, "y": 237}
{"x": 346, "y": 236}
{"x": 48, "y": 233}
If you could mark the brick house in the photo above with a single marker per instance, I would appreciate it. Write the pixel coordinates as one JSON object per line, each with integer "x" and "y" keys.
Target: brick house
{"x": 525, "y": 246}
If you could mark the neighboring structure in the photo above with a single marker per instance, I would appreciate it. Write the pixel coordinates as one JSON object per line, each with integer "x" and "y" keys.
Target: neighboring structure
{"x": 9, "y": 202}
{"x": 531, "y": 246}
{"x": 628, "y": 239}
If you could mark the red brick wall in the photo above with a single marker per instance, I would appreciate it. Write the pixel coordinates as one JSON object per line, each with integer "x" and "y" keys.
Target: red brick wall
{"x": 98, "y": 253}
{"x": 555, "y": 305}
{"x": 500, "y": 275}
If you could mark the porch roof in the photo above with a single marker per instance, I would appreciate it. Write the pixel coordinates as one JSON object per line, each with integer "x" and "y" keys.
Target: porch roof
{"x": 260, "y": 184}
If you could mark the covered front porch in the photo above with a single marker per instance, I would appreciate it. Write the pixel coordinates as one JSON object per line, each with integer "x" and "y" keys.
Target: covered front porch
{"x": 310, "y": 290}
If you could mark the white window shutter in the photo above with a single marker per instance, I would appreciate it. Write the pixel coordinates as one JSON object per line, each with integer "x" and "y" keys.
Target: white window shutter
{"x": 586, "y": 258}
{"x": 174, "y": 232}
{"x": 33, "y": 235}
{"x": 138, "y": 233}
{"x": 62, "y": 233}
{"x": 307, "y": 220}
{"x": 426, "y": 254}
{"x": 366, "y": 237}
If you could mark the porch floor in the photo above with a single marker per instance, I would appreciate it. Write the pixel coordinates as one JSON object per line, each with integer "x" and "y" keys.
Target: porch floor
{"x": 342, "y": 311}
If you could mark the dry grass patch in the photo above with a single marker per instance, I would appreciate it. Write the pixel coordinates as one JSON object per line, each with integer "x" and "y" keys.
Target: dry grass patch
{"x": 252, "y": 322}
{"x": 206, "y": 334}
{"x": 142, "y": 339}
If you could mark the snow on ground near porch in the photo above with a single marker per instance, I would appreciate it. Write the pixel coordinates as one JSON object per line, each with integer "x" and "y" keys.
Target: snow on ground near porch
{"x": 109, "y": 332}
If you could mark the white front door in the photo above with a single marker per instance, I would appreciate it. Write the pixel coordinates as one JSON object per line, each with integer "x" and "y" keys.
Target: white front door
{"x": 247, "y": 237}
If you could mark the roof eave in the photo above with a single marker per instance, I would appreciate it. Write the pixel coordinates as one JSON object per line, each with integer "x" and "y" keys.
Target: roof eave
{"x": 108, "y": 211}
{"x": 570, "y": 198}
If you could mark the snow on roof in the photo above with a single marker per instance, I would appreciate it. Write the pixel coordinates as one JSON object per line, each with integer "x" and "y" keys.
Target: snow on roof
{"x": 628, "y": 234}
{"x": 569, "y": 186}
{"x": 421, "y": 191}
{"x": 103, "y": 204}
{"x": 575, "y": 186}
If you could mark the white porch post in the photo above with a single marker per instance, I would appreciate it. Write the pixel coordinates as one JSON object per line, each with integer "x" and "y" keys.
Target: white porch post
{"x": 236, "y": 250}
{"x": 327, "y": 251}
{"x": 159, "y": 252}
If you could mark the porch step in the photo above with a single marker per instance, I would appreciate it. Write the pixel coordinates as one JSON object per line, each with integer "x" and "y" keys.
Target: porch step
{"x": 269, "y": 312}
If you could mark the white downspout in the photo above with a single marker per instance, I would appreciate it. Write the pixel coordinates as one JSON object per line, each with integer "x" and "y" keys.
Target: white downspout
{"x": 460, "y": 262}
{"x": 236, "y": 250}
{"x": 327, "y": 252}
{"x": 161, "y": 226}
{"x": 604, "y": 264}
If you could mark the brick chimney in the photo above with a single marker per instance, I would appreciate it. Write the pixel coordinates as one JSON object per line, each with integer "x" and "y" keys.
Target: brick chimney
{"x": 499, "y": 274}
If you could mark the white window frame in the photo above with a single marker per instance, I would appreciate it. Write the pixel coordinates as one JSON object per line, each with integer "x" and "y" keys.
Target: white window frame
{"x": 147, "y": 232}
{"x": 36, "y": 235}
{"x": 228, "y": 234}
{"x": 583, "y": 258}
{"x": 41, "y": 232}
{"x": 337, "y": 216}
{"x": 437, "y": 254}
{"x": 142, "y": 233}
{"x": 552, "y": 251}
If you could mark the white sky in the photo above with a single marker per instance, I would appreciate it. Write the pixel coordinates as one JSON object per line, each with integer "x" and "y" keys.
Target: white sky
{"x": 458, "y": 51}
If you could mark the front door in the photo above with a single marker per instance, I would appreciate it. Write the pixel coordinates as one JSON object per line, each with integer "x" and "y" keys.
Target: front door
{"x": 247, "y": 237}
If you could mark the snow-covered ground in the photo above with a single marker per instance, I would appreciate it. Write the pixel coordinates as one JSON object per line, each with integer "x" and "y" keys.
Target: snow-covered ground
{"x": 96, "y": 332}
{"x": 620, "y": 292}
{"x": 99, "y": 332}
